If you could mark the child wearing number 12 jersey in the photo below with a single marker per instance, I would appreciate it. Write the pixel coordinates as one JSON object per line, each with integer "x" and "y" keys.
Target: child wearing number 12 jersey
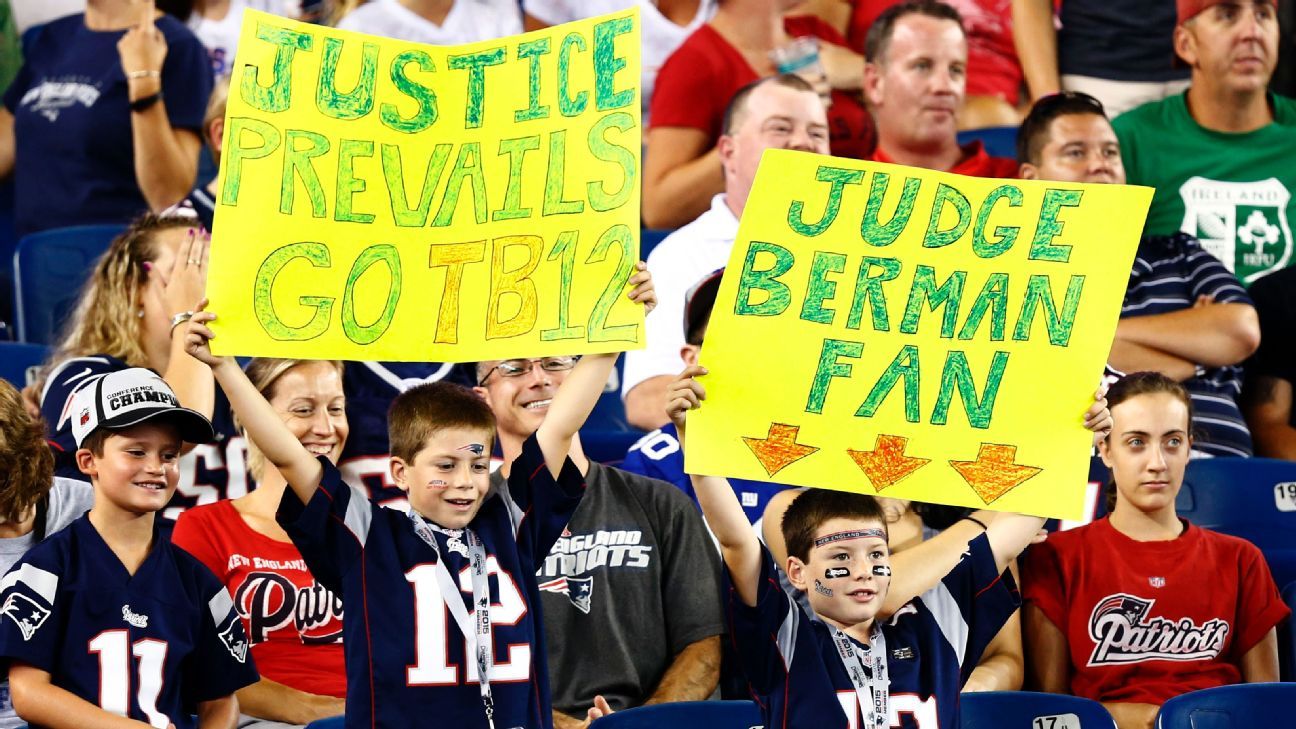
{"x": 445, "y": 595}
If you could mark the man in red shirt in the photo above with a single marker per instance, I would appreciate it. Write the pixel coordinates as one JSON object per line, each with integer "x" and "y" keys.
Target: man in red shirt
{"x": 915, "y": 81}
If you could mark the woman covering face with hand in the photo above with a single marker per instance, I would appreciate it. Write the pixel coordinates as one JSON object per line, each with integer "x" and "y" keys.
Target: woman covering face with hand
{"x": 1141, "y": 605}
{"x": 293, "y": 623}
{"x": 144, "y": 286}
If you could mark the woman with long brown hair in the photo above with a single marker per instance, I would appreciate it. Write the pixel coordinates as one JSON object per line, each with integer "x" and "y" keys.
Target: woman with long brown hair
{"x": 1141, "y": 606}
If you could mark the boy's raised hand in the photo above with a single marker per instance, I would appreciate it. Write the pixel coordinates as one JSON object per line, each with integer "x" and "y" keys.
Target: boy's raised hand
{"x": 685, "y": 394}
{"x": 199, "y": 336}
{"x": 1098, "y": 417}
{"x": 643, "y": 292}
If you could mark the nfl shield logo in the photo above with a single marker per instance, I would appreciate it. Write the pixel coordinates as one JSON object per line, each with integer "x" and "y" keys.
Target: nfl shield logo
{"x": 1157, "y": 582}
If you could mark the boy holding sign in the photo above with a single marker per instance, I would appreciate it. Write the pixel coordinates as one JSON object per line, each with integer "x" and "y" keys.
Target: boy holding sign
{"x": 446, "y": 594}
{"x": 844, "y": 668}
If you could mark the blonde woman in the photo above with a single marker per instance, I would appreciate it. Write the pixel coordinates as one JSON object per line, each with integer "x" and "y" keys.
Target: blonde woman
{"x": 293, "y": 623}
{"x": 151, "y": 277}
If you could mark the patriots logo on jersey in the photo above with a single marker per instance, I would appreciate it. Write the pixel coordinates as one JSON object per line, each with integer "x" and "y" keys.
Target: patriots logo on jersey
{"x": 579, "y": 590}
{"x": 26, "y": 613}
{"x": 235, "y": 641}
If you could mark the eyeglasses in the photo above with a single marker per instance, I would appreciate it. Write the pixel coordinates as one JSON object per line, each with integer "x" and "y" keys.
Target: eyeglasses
{"x": 519, "y": 367}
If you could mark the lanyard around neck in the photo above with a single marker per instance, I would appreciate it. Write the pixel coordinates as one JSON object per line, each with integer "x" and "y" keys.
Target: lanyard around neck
{"x": 868, "y": 673}
{"x": 476, "y": 628}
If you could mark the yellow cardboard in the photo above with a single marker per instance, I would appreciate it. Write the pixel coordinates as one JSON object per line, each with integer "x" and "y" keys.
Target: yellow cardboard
{"x": 387, "y": 200}
{"x": 920, "y": 335}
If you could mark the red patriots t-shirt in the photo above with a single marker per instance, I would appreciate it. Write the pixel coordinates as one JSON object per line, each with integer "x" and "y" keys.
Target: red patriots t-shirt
{"x": 293, "y": 623}
{"x": 1147, "y": 621}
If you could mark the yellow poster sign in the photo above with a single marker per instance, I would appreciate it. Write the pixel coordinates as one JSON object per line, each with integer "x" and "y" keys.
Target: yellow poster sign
{"x": 920, "y": 335}
{"x": 386, "y": 200}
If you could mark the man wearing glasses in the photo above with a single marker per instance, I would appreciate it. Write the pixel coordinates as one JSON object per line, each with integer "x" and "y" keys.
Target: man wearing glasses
{"x": 631, "y": 592}
{"x": 1184, "y": 314}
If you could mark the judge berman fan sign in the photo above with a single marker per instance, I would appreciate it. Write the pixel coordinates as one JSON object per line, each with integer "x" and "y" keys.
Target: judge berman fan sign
{"x": 386, "y": 200}
{"x": 915, "y": 334}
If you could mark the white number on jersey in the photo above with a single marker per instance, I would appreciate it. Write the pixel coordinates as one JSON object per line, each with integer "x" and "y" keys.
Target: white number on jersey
{"x": 432, "y": 618}
{"x": 115, "y": 674}
{"x": 656, "y": 445}
{"x": 923, "y": 712}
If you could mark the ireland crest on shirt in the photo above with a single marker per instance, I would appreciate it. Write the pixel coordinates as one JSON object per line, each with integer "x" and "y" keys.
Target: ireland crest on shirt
{"x": 1244, "y": 224}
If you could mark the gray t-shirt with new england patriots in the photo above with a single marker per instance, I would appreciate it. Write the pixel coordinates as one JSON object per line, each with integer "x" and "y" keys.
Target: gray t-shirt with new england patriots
{"x": 634, "y": 580}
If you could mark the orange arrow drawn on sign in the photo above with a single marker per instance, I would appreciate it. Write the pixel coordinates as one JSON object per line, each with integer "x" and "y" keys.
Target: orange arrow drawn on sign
{"x": 779, "y": 448}
{"x": 886, "y": 465}
{"x": 994, "y": 472}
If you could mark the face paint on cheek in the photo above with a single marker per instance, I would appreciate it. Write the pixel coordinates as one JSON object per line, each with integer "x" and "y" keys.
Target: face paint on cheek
{"x": 819, "y": 588}
{"x": 881, "y": 570}
{"x": 437, "y": 484}
{"x": 477, "y": 449}
{"x": 833, "y": 573}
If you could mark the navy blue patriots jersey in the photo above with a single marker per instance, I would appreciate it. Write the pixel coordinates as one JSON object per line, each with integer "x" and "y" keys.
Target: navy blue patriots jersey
{"x": 209, "y": 472}
{"x": 405, "y": 657}
{"x": 370, "y": 388}
{"x": 658, "y": 455}
{"x": 795, "y": 673}
{"x": 149, "y": 646}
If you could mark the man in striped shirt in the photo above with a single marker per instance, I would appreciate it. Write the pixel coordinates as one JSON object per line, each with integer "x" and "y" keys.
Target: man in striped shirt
{"x": 1184, "y": 315}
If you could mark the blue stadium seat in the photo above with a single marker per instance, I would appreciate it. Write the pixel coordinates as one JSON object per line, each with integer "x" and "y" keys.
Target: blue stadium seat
{"x": 49, "y": 269}
{"x": 1287, "y": 637}
{"x": 685, "y": 715}
{"x": 333, "y": 722}
{"x": 998, "y": 141}
{"x": 1245, "y": 706}
{"x": 1246, "y": 497}
{"x": 1030, "y": 710}
{"x": 16, "y": 357}
{"x": 607, "y": 434}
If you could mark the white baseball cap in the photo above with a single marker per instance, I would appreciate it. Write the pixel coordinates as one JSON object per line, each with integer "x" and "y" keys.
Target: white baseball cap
{"x": 128, "y": 397}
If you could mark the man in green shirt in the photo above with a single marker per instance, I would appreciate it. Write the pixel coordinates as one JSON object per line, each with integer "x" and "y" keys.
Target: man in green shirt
{"x": 1220, "y": 155}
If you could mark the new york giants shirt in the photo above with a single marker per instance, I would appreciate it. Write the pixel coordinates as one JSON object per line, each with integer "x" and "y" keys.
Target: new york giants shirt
{"x": 209, "y": 472}
{"x": 149, "y": 646}
{"x": 659, "y": 455}
{"x": 370, "y": 388}
{"x": 405, "y": 656}
{"x": 795, "y": 673}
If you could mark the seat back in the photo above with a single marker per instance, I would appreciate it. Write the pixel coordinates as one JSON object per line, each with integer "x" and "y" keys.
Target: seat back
{"x": 1252, "y": 498}
{"x": 17, "y": 359}
{"x": 1244, "y": 706}
{"x": 49, "y": 270}
{"x": 685, "y": 715}
{"x": 1030, "y": 710}
{"x": 998, "y": 141}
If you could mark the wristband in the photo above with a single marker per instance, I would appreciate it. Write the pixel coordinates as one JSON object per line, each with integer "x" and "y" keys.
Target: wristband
{"x": 180, "y": 318}
{"x": 974, "y": 520}
{"x": 143, "y": 74}
{"x": 145, "y": 102}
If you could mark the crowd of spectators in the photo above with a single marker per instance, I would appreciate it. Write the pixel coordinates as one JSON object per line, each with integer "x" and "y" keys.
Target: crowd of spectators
{"x": 114, "y": 114}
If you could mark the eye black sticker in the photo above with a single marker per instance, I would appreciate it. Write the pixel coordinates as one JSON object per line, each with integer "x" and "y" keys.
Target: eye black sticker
{"x": 881, "y": 570}
{"x": 833, "y": 573}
